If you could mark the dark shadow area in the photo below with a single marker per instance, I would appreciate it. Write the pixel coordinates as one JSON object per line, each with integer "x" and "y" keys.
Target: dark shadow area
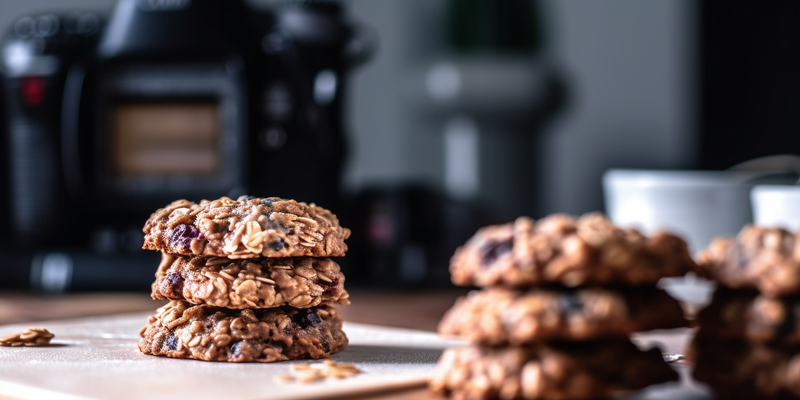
{"x": 357, "y": 354}
{"x": 686, "y": 389}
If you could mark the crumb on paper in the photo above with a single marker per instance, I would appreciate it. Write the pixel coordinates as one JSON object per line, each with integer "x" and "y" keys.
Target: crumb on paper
{"x": 284, "y": 378}
{"x": 28, "y": 337}
{"x": 308, "y": 373}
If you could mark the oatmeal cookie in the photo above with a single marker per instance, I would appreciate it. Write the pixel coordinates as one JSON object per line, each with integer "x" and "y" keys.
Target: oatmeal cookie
{"x": 182, "y": 330}
{"x": 767, "y": 259}
{"x": 300, "y": 282}
{"x": 249, "y": 227}
{"x": 750, "y": 316}
{"x": 563, "y": 370}
{"x": 736, "y": 369}
{"x": 496, "y": 316}
{"x": 563, "y": 250}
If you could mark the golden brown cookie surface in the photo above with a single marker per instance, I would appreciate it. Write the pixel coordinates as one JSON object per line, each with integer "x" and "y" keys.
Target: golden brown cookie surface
{"x": 766, "y": 259}
{"x": 300, "y": 282}
{"x": 181, "y": 330}
{"x": 580, "y": 370}
{"x": 248, "y": 227}
{"x": 567, "y": 251}
{"x": 496, "y": 316}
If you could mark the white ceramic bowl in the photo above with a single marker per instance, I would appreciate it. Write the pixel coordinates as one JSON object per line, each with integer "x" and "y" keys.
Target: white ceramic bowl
{"x": 776, "y": 205}
{"x": 696, "y": 205}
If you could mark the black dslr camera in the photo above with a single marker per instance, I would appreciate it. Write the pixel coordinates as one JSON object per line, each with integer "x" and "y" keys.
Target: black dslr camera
{"x": 111, "y": 118}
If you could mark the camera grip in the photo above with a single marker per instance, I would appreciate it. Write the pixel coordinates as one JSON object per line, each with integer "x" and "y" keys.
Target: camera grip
{"x": 35, "y": 187}
{"x": 70, "y": 130}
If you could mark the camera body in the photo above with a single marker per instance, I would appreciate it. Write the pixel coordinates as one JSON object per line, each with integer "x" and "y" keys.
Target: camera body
{"x": 111, "y": 118}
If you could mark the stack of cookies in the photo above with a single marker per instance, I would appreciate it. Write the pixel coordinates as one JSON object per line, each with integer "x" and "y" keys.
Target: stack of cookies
{"x": 247, "y": 279}
{"x": 748, "y": 344}
{"x": 561, "y": 296}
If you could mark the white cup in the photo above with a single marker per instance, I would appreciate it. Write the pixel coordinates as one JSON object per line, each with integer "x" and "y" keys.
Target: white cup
{"x": 776, "y": 206}
{"x": 695, "y": 205}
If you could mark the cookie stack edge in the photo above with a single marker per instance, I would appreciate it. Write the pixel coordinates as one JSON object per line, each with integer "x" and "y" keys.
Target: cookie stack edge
{"x": 247, "y": 279}
{"x": 748, "y": 342}
{"x": 560, "y": 297}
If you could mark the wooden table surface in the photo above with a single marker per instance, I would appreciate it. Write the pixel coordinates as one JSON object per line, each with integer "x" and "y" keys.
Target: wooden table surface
{"x": 402, "y": 309}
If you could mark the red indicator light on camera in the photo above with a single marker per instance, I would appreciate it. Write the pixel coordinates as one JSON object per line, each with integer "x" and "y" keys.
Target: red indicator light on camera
{"x": 32, "y": 91}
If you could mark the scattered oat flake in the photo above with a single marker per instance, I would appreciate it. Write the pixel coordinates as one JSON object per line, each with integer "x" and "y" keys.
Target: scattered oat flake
{"x": 284, "y": 378}
{"x": 28, "y": 337}
{"x": 308, "y": 376}
{"x": 308, "y": 373}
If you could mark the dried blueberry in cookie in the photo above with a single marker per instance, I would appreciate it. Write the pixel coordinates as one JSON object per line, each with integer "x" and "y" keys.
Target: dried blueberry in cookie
{"x": 236, "y": 349}
{"x": 175, "y": 281}
{"x": 277, "y": 245}
{"x": 183, "y": 234}
{"x": 329, "y": 287}
{"x": 570, "y": 302}
{"x": 494, "y": 250}
{"x": 306, "y": 317}
{"x": 171, "y": 343}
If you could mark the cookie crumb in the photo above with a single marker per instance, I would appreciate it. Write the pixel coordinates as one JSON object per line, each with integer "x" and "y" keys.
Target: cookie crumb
{"x": 308, "y": 373}
{"x": 29, "y": 337}
{"x": 284, "y": 378}
{"x": 308, "y": 376}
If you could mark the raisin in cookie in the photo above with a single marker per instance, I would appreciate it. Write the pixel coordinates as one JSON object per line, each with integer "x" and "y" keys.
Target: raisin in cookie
{"x": 580, "y": 370}
{"x": 496, "y": 316}
{"x": 181, "y": 330}
{"x": 249, "y": 227}
{"x": 767, "y": 259}
{"x": 563, "y": 250}
{"x": 749, "y": 316}
{"x": 736, "y": 369}
{"x": 300, "y": 282}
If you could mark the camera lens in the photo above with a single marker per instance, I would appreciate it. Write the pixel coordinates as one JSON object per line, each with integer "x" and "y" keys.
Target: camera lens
{"x": 47, "y": 25}
{"x": 88, "y": 24}
{"x": 85, "y": 24}
{"x": 25, "y": 27}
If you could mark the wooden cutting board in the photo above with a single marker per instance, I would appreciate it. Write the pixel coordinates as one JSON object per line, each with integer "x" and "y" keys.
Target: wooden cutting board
{"x": 98, "y": 358}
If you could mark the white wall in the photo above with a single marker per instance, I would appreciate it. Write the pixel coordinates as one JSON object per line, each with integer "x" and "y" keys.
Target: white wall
{"x": 389, "y": 143}
{"x": 631, "y": 70}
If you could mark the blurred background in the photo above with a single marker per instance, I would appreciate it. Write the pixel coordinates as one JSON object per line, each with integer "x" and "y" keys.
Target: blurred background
{"x": 416, "y": 121}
